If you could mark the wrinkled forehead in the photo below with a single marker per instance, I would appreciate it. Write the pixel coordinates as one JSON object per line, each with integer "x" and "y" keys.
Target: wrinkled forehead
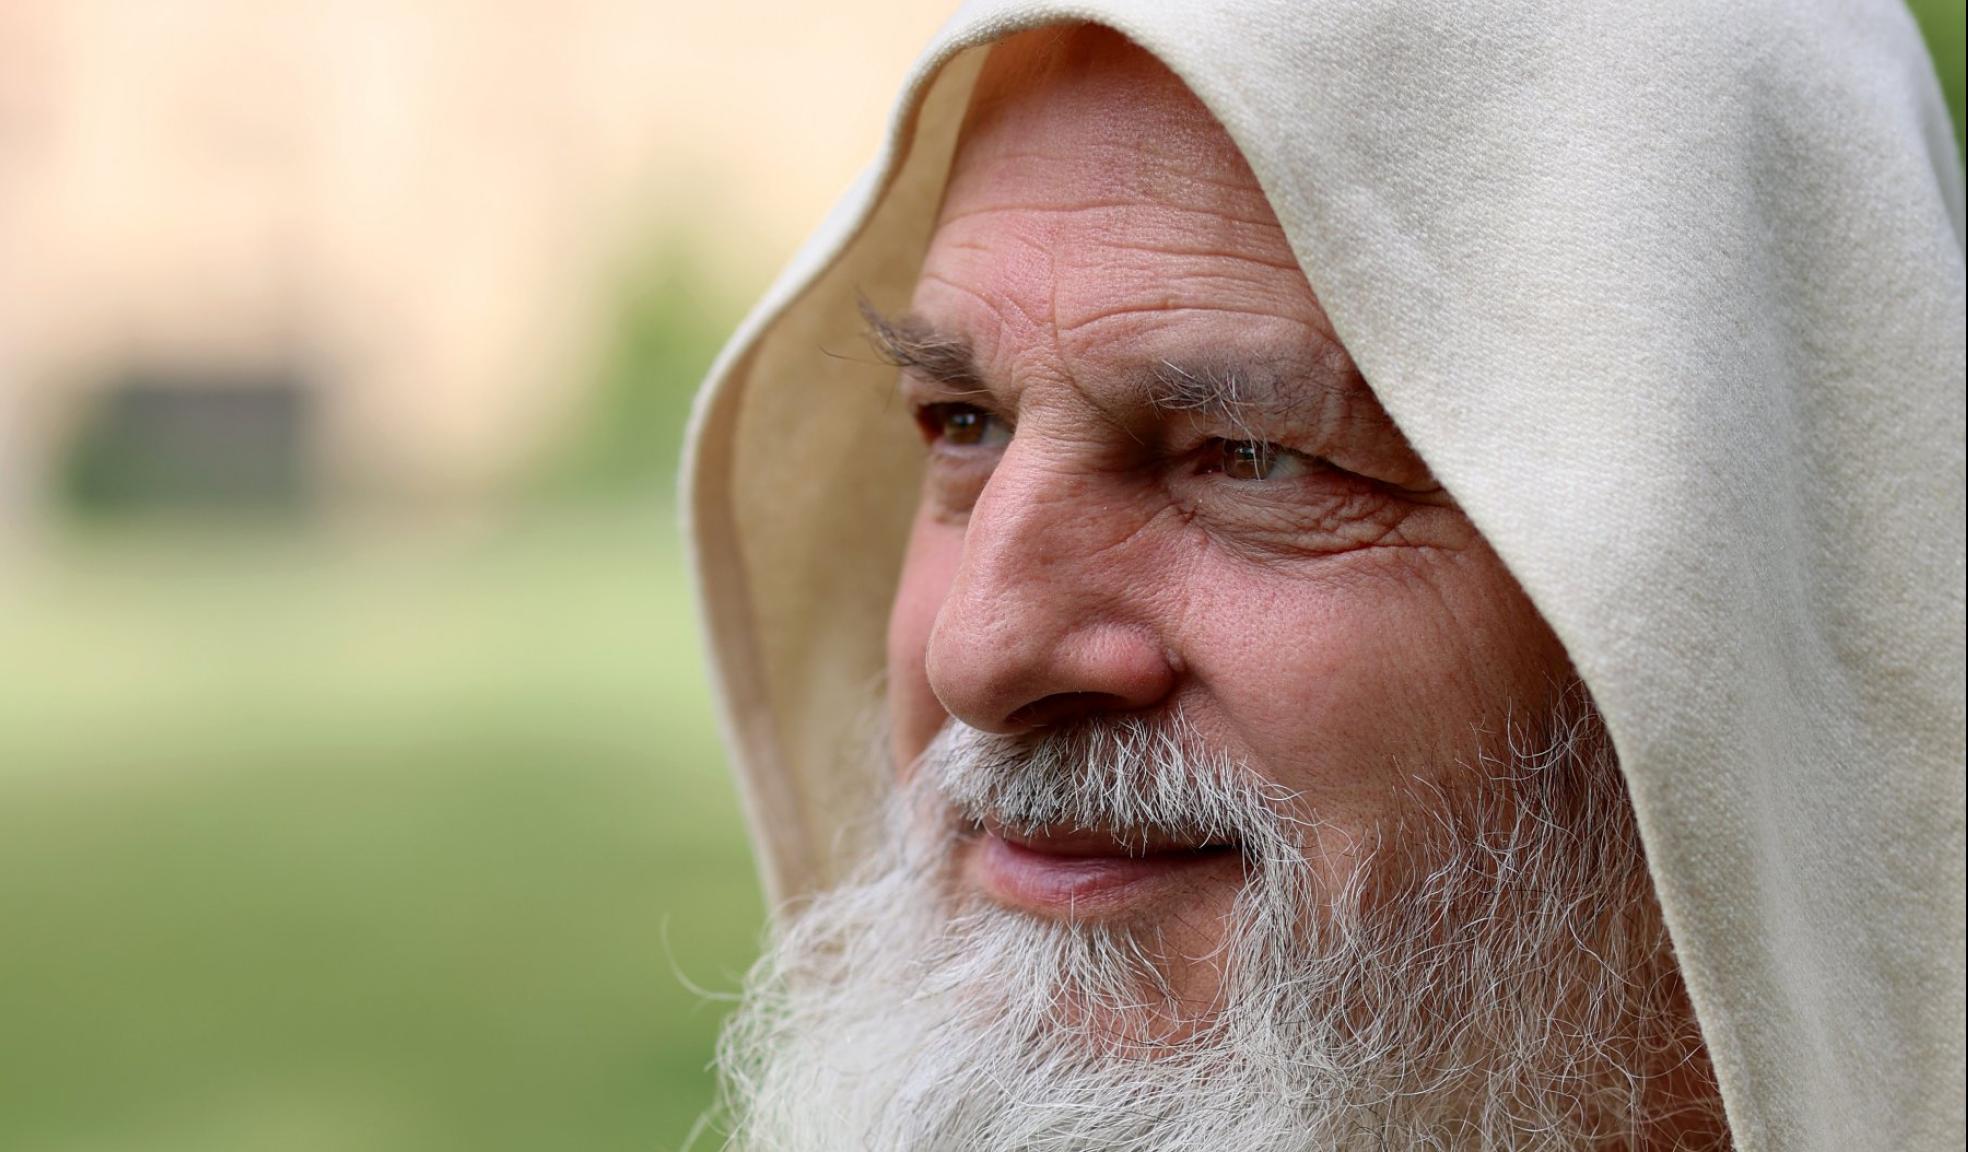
{"x": 1079, "y": 95}
{"x": 1100, "y": 224}
{"x": 1081, "y": 122}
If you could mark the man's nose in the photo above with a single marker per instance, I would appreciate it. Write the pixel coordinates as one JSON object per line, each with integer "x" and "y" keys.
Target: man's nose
{"x": 1047, "y": 617}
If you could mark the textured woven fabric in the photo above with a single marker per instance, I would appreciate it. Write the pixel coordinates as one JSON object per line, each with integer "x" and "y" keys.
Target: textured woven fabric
{"x": 1670, "y": 296}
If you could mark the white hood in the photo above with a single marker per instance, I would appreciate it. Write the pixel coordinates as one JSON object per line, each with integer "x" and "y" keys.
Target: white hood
{"x": 1670, "y": 296}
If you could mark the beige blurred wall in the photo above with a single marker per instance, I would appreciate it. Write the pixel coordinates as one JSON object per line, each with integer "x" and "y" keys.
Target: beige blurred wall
{"x": 426, "y": 202}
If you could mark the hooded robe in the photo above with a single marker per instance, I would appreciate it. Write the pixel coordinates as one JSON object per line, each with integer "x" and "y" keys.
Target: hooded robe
{"x": 1669, "y": 295}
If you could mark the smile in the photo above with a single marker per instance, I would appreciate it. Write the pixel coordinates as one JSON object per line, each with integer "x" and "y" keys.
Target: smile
{"x": 1086, "y": 874}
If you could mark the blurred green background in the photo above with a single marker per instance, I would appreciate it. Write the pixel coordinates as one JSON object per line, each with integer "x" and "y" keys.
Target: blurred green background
{"x": 349, "y": 808}
{"x": 395, "y": 832}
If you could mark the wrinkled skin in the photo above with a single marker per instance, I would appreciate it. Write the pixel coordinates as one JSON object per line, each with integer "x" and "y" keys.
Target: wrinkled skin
{"x": 1318, "y": 608}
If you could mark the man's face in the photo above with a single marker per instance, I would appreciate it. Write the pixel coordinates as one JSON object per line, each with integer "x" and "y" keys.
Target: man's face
{"x": 1242, "y": 800}
{"x": 1157, "y": 484}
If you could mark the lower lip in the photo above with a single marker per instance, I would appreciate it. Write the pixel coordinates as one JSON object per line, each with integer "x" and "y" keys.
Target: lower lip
{"x": 1088, "y": 887}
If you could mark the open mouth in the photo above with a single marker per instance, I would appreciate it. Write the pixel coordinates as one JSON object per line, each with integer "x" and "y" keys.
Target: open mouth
{"x": 1082, "y": 873}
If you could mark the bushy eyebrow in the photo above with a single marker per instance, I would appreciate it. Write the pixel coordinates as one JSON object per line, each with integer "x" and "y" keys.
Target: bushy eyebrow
{"x": 911, "y": 343}
{"x": 1249, "y": 398}
{"x": 1225, "y": 393}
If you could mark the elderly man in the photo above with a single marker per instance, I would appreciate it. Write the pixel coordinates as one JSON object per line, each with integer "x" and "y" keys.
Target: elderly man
{"x": 1431, "y": 608}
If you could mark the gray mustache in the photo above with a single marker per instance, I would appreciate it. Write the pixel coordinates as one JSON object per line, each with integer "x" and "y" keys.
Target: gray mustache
{"x": 1135, "y": 777}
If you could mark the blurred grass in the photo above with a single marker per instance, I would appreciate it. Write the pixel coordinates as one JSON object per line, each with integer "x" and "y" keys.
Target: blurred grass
{"x": 323, "y": 841}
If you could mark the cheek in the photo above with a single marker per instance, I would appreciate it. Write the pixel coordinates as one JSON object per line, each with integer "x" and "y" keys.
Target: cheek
{"x": 1347, "y": 687}
{"x": 915, "y": 714}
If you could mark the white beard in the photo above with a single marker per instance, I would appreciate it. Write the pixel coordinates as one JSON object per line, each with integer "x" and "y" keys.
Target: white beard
{"x": 1493, "y": 974}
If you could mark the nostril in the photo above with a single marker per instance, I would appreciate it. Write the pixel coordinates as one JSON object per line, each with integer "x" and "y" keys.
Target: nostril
{"x": 1065, "y": 707}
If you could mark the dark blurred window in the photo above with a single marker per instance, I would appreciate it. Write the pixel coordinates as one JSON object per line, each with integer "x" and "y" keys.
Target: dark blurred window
{"x": 171, "y": 439}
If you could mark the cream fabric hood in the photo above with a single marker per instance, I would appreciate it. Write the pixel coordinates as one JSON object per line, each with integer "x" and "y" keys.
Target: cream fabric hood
{"x": 1670, "y": 295}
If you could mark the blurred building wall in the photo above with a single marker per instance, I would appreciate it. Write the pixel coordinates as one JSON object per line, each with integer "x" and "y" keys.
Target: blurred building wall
{"x": 419, "y": 207}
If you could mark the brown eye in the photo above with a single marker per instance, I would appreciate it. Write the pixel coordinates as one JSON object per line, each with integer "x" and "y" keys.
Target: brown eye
{"x": 1255, "y": 460}
{"x": 961, "y": 426}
